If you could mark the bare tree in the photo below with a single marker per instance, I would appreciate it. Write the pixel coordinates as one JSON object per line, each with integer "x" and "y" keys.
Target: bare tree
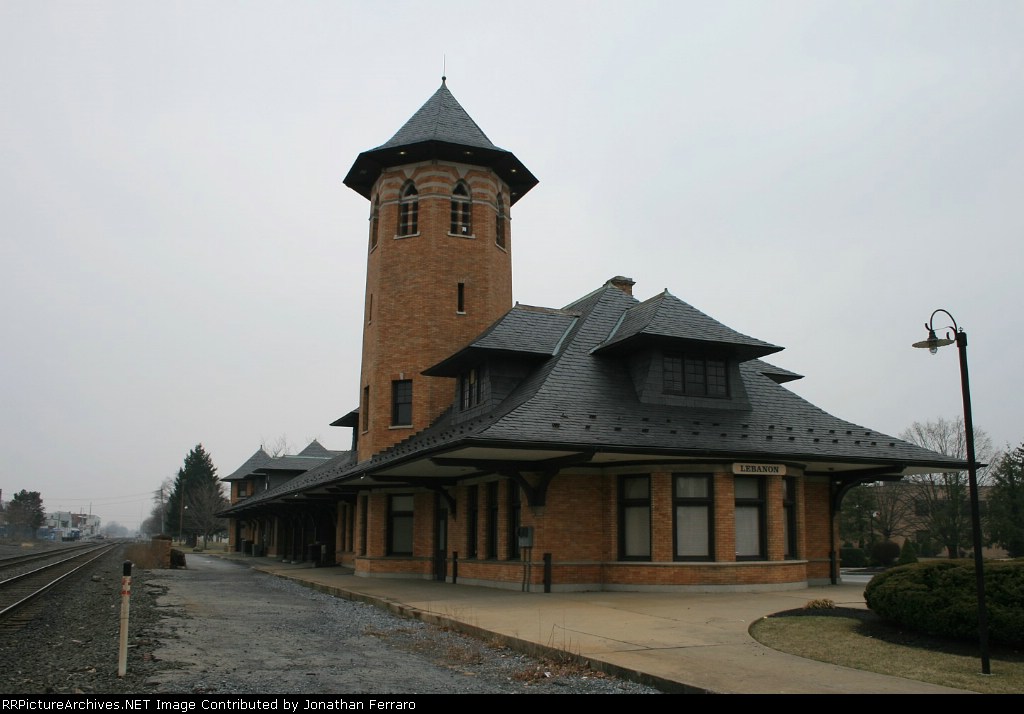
{"x": 855, "y": 515}
{"x": 941, "y": 501}
{"x": 157, "y": 520}
{"x": 894, "y": 509}
{"x": 279, "y": 447}
{"x": 203, "y": 505}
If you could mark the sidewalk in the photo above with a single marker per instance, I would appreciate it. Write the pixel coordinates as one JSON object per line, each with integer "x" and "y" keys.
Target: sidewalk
{"x": 678, "y": 642}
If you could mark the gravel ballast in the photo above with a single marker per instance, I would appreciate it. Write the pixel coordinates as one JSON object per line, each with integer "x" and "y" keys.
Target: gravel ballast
{"x": 220, "y": 627}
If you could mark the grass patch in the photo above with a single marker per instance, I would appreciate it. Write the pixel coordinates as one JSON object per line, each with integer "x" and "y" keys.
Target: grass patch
{"x": 859, "y": 639}
{"x": 554, "y": 669}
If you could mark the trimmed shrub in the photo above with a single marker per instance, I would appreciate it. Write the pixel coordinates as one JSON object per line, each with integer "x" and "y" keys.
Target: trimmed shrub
{"x": 823, "y": 603}
{"x": 852, "y": 558}
{"x": 939, "y": 598}
{"x": 884, "y": 553}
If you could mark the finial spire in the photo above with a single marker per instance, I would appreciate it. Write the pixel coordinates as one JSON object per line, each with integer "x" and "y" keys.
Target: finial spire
{"x": 444, "y": 68}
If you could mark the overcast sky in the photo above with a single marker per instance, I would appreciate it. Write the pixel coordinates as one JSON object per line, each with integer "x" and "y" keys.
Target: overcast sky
{"x": 182, "y": 263}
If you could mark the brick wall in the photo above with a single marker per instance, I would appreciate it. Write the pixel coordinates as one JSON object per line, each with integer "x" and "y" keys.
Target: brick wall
{"x": 411, "y": 320}
{"x": 578, "y": 527}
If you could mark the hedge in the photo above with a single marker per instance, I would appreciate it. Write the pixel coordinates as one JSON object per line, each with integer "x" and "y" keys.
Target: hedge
{"x": 940, "y": 598}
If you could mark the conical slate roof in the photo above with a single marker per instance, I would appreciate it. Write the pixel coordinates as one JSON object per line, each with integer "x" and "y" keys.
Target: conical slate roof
{"x": 440, "y": 129}
{"x": 441, "y": 118}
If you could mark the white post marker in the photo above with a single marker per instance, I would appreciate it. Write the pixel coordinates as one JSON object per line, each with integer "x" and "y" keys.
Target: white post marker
{"x": 126, "y": 594}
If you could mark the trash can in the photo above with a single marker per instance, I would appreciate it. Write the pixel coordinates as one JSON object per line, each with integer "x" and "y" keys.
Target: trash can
{"x": 313, "y": 553}
{"x": 257, "y": 550}
{"x": 246, "y": 547}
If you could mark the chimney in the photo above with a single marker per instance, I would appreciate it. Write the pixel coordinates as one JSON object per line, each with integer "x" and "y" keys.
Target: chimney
{"x": 623, "y": 284}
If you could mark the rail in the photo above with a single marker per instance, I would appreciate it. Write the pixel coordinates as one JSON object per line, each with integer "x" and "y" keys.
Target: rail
{"x": 19, "y": 590}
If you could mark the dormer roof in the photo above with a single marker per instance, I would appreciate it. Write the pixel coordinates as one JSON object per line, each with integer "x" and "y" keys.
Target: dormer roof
{"x": 668, "y": 322}
{"x": 524, "y": 331}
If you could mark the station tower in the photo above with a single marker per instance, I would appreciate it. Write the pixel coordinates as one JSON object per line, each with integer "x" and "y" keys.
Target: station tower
{"x": 439, "y": 261}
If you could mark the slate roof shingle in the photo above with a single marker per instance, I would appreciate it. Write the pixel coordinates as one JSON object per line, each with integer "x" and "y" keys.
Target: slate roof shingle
{"x": 582, "y": 400}
{"x": 440, "y": 129}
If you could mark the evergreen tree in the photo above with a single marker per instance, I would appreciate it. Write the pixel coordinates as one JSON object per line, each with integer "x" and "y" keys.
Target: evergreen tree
{"x": 25, "y": 514}
{"x": 1006, "y": 502}
{"x": 196, "y": 499}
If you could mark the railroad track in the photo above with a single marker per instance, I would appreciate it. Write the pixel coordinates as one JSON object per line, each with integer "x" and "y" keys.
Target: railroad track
{"x": 19, "y": 593}
{"x": 20, "y": 562}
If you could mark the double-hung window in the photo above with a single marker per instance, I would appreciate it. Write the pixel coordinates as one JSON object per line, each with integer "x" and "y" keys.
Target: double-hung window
{"x": 400, "y": 513}
{"x": 469, "y": 386}
{"x": 492, "y": 521}
{"x": 693, "y": 510}
{"x": 789, "y": 516}
{"x": 472, "y": 513}
{"x": 749, "y": 518}
{"x": 401, "y": 402}
{"x": 635, "y": 518}
{"x": 515, "y": 508}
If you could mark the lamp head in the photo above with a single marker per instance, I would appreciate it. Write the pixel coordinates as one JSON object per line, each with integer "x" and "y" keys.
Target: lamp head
{"x": 933, "y": 343}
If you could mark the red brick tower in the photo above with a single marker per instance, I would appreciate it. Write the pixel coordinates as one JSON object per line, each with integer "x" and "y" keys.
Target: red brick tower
{"x": 439, "y": 262}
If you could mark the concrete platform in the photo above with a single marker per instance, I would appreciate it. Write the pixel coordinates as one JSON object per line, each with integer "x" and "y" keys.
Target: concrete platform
{"x": 678, "y": 642}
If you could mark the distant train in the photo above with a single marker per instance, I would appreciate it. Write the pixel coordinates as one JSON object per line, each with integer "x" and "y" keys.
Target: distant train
{"x": 72, "y": 534}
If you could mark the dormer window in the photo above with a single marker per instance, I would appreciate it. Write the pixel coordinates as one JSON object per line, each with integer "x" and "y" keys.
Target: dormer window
{"x": 695, "y": 376}
{"x": 408, "y": 210}
{"x": 469, "y": 389}
{"x": 461, "y": 223}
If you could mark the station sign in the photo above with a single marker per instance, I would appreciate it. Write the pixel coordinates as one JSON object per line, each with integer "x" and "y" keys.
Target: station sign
{"x": 759, "y": 469}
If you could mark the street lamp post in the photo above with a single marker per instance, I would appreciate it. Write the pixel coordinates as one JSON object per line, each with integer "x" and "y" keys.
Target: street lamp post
{"x": 932, "y": 344}
{"x": 181, "y": 518}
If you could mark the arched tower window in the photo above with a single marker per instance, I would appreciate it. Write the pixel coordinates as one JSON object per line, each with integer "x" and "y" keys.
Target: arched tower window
{"x": 461, "y": 213}
{"x": 499, "y": 232}
{"x": 374, "y": 222}
{"x": 408, "y": 210}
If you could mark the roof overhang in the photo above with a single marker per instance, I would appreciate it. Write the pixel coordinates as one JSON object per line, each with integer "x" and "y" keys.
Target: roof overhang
{"x": 370, "y": 164}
